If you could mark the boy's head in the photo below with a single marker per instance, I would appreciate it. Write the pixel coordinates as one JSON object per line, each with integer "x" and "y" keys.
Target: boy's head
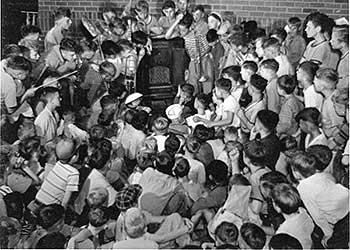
{"x": 53, "y": 240}
{"x": 284, "y": 241}
{"x": 316, "y": 23}
{"x": 309, "y": 119}
{"x": 306, "y": 72}
{"x": 256, "y": 85}
{"x": 160, "y": 125}
{"x": 135, "y": 223}
{"x": 18, "y": 67}
{"x": 140, "y": 120}
{"x": 126, "y": 46}
{"x": 30, "y": 32}
{"x": 168, "y": 8}
{"x": 322, "y": 154}
{"x": 201, "y": 102}
{"x": 266, "y": 120}
{"x": 185, "y": 24}
{"x": 251, "y": 237}
{"x": 11, "y": 50}
{"x": 271, "y": 48}
{"x": 66, "y": 150}
{"x": 268, "y": 69}
{"x": 248, "y": 69}
{"x": 165, "y": 163}
{"x": 286, "y": 85}
{"x": 51, "y": 217}
{"x": 212, "y": 37}
{"x": 326, "y": 79}
{"x": 217, "y": 172}
{"x": 230, "y": 134}
{"x": 340, "y": 37}
{"x": 293, "y": 26}
{"x": 303, "y": 165}
{"x": 142, "y": 9}
{"x": 181, "y": 167}
{"x": 268, "y": 181}
{"x": 226, "y": 233}
{"x": 223, "y": 87}
{"x": 286, "y": 199}
{"x": 259, "y": 42}
{"x": 233, "y": 73}
{"x": 203, "y": 133}
{"x": 187, "y": 91}
{"x": 280, "y": 34}
{"x": 172, "y": 144}
{"x": 239, "y": 42}
{"x": 97, "y": 197}
{"x": 108, "y": 104}
{"x": 119, "y": 26}
{"x": 198, "y": 13}
{"x": 52, "y": 96}
{"x": 98, "y": 216}
{"x": 145, "y": 158}
{"x": 192, "y": 145}
{"x": 87, "y": 49}
{"x": 107, "y": 71}
{"x": 63, "y": 17}
{"x": 110, "y": 49}
{"x": 69, "y": 49}
{"x": 254, "y": 153}
{"x": 99, "y": 158}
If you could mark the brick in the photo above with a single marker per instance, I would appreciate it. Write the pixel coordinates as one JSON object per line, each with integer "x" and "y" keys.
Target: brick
{"x": 317, "y": 5}
{"x": 250, "y": 8}
{"x": 267, "y": 9}
{"x": 308, "y": 10}
{"x": 293, "y": 10}
{"x": 85, "y": 3}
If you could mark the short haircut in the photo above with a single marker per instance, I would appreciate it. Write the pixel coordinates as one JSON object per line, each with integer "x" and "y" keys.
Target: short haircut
{"x": 29, "y": 29}
{"x": 98, "y": 216}
{"x": 250, "y": 65}
{"x": 118, "y": 24}
{"x": 28, "y": 146}
{"x": 87, "y": 45}
{"x": 160, "y": 124}
{"x": 110, "y": 48}
{"x": 232, "y": 130}
{"x": 54, "y": 240}
{"x": 140, "y": 120}
{"x": 280, "y": 33}
{"x": 68, "y": 44}
{"x": 287, "y": 83}
{"x": 181, "y": 167}
{"x": 98, "y": 159}
{"x": 172, "y": 144}
{"x": 49, "y": 215}
{"x": 187, "y": 88}
{"x": 203, "y": 99}
{"x": 323, "y": 155}
{"x": 142, "y": 5}
{"x": 310, "y": 68}
{"x": 19, "y": 63}
{"x": 253, "y": 235}
{"x": 116, "y": 90}
{"x": 288, "y": 142}
{"x": 212, "y": 36}
{"x": 218, "y": 170}
{"x": 224, "y": 84}
{"x": 271, "y": 64}
{"x": 199, "y": 7}
{"x": 107, "y": 67}
{"x": 186, "y": 21}
{"x": 169, "y": 4}
{"x": 295, "y": 21}
{"x": 256, "y": 152}
{"x": 165, "y": 163}
{"x": 287, "y": 198}
{"x": 192, "y": 145}
{"x": 233, "y": 71}
{"x": 62, "y": 12}
{"x": 304, "y": 163}
{"x": 318, "y": 19}
{"x": 343, "y": 32}
{"x": 258, "y": 82}
{"x": 139, "y": 37}
{"x": 311, "y": 115}
{"x": 124, "y": 43}
{"x": 269, "y": 180}
{"x": 106, "y": 100}
{"x": 284, "y": 241}
{"x": 239, "y": 39}
{"x": 11, "y": 50}
{"x": 203, "y": 133}
{"x": 271, "y": 42}
{"x": 135, "y": 223}
{"x": 227, "y": 232}
{"x": 330, "y": 76}
{"x": 48, "y": 92}
{"x": 260, "y": 32}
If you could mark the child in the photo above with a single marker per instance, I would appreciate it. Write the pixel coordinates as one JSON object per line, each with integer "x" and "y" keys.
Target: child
{"x": 290, "y": 107}
{"x": 216, "y": 49}
{"x": 309, "y": 120}
{"x": 326, "y": 201}
{"x": 298, "y": 223}
{"x": 200, "y": 25}
{"x": 146, "y": 22}
{"x": 340, "y": 41}
{"x": 306, "y": 73}
{"x": 111, "y": 52}
{"x": 230, "y": 146}
{"x": 294, "y": 44}
{"x": 57, "y": 33}
{"x": 160, "y": 129}
{"x": 128, "y": 57}
{"x": 280, "y": 34}
{"x": 133, "y": 101}
{"x": 248, "y": 69}
{"x": 284, "y": 241}
{"x": 325, "y": 83}
{"x": 201, "y": 104}
{"x": 226, "y": 234}
{"x": 168, "y": 9}
{"x": 323, "y": 156}
{"x": 145, "y": 158}
{"x": 233, "y": 73}
{"x": 272, "y": 50}
{"x": 185, "y": 98}
{"x": 251, "y": 237}
{"x": 268, "y": 70}
{"x": 319, "y": 50}
{"x": 30, "y": 39}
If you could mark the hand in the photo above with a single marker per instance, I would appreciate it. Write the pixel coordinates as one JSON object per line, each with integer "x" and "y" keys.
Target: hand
{"x": 178, "y": 94}
{"x": 29, "y": 93}
{"x": 234, "y": 154}
{"x": 179, "y": 17}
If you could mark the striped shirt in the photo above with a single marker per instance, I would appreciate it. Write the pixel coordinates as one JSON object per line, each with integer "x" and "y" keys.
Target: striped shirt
{"x": 196, "y": 45}
{"x": 61, "y": 178}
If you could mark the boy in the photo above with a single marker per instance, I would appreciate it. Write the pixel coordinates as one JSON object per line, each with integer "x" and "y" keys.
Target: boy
{"x": 199, "y": 25}
{"x": 290, "y": 107}
{"x": 168, "y": 9}
{"x": 62, "y": 23}
{"x": 251, "y": 236}
{"x": 298, "y": 223}
{"x": 233, "y": 73}
{"x": 160, "y": 128}
{"x": 326, "y": 201}
{"x": 319, "y": 49}
{"x": 226, "y": 233}
{"x": 294, "y": 44}
{"x": 325, "y": 83}
{"x": 147, "y": 23}
{"x": 216, "y": 49}
{"x": 340, "y": 41}
{"x": 272, "y": 50}
{"x": 185, "y": 98}
{"x": 268, "y": 70}
{"x": 248, "y": 69}
{"x": 201, "y": 104}
{"x": 284, "y": 241}
{"x": 30, "y": 39}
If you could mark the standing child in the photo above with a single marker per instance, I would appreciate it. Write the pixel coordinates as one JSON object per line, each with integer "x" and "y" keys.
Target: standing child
{"x": 216, "y": 49}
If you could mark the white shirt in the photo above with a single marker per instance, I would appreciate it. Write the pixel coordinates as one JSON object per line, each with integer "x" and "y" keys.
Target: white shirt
{"x": 326, "y": 201}
{"x": 190, "y": 122}
{"x": 197, "y": 170}
{"x": 285, "y": 67}
{"x": 46, "y": 125}
{"x": 318, "y": 140}
{"x": 230, "y": 105}
{"x": 160, "y": 142}
{"x": 312, "y": 99}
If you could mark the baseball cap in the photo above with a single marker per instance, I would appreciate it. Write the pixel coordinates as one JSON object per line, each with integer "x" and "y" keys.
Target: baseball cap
{"x": 224, "y": 28}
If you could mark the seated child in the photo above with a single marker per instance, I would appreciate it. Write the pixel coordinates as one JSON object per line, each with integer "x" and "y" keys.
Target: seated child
{"x": 226, "y": 235}
{"x": 233, "y": 73}
{"x": 160, "y": 129}
{"x": 133, "y": 101}
{"x": 251, "y": 237}
{"x": 201, "y": 104}
{"x": 185, "y": 98}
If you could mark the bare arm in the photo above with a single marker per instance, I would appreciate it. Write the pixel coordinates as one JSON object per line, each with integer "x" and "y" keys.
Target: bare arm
{"x": 170, "y": 31}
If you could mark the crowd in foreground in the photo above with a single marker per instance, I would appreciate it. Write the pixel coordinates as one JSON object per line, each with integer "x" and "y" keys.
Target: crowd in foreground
{"x": 252, "y": 154}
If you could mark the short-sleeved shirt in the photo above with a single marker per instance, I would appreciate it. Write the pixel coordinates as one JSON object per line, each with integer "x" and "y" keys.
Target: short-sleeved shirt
{"x": 312, "y": 98}
{"x": 8, "y": 92}
{"x": 46, "y": 125}
{"x": 343, "y": 72}
{"x": 285, "y": 67}
{"x": 61, "y": 178}
{"x": 53, "y": 37}
{"x": 254, "y": 180}
{"x": 230, "y": 105}
{"x": 197, "y": 171}
{"x": 330, "y": 119}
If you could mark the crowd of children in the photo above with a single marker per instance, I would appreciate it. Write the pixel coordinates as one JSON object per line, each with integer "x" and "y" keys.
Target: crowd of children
{"x": 252, "y": 154}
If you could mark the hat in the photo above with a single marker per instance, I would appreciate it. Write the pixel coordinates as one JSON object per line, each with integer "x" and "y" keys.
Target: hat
{"x": 268, "y": 118}
{"x": 128, "y": 196}
{"x": 179, "y": 129}
{"x": 161, "y": 124}
{"x": 216, "y": 15}
{"x": 133, "y": 97}
{"x": 341, "y": 21}
{"x": 173, "y": 111}
{"x": 224, "y": 28}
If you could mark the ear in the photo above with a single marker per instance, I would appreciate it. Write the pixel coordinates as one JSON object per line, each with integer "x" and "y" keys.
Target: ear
{"x": 318, "y": 28}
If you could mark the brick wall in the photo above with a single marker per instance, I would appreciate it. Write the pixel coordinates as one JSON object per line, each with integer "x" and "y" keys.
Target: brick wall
{"x": 268, "y": 13}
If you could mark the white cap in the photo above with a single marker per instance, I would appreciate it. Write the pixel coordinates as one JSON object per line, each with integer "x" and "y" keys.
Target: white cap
{"x": 224, "y": 28}
{"x": 173, "y": 111}
{"x": 341, "y": 21}
{"x": 133, "y": 97}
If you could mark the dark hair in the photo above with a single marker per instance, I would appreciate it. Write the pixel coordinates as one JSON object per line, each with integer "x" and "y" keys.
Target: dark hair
{"x": 110, "y": 48}
{"x": 96, "y": 133}
{"x": 310, "y": 69}
{"x": 251, "y": 65}
{"x": 118, "y": 23}
{"x": 62, "y": 12}
{"x": 106, "y": 100}
{"x": 117, "y": 89}
{"x": 139, "y": 37}
{"x": 212, "y": 36}
{"x": 55, "y": 240}
{"x": 259, "y": 32}
{"x": 142, "y": 5}
{"x": 218, "y": 170}
{"x": 322, "y": 154}
{"x": 29, "y": 29}
{"x": 172, "y": 144}
{"x": 181, "y": 167}
{"x": 98, "y": 159}
{"x": 68, "y": 44}
{"x": 318, "y": 19}
{"x": 284, "y": 241}
{"x": 288, "y": 142}
{"x": 186, "y": 21}
{"x": 287, "y": 198}
{"x": 14, "y": 205}
{"x": 295, "y": 21}
{"x": 304, "y": 163}
{"x": 239, "y": 39}
{"x": 227, "y": 232}
{"x": 271, "y": 42}
{"x": 234, "y": 72}
{"x": 280, "y": 33}
{"x": 165, "y": 163}
{"x": 19, "y": 63}
{"x": 258, "y": 82}
{"x": 224, "y": 84}
{"x": 10, "y": 50}
{"x": 311, "y": 115}
{"x": 203, "y": 133}
{"x": 255, "y": 151}
{"x": 98, "y": 216}
{"x": 199, "y": 7}
{"x": 192, "y": 144}
{"x": 287, "y": 83}
{"x": 49, "y": 215}
{"x": 168, "y": 4}
{"x": 270, "y": 64}
{"x": 269, "y": 180}
{"x": 140, "y": 120}
{"x": 28, "y": 146}
{"x": 187, "y": 88}
{"x": 253, "y": 235}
